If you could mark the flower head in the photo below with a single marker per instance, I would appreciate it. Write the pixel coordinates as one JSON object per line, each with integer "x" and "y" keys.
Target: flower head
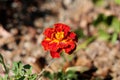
{"x": 58, "y": 39}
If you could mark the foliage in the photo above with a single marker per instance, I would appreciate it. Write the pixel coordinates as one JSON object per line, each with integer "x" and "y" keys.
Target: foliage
{"x": 60, "y": 75}
{"x": 103, "y": 24}
{"x": 98, "y": 2}
{"x": 73, "y": 73}
{"x": 79, "y": 33}
{"x": 102, "y": 2}
{"x": 3, "y": 63}
{"x": 20, "y": 71}
{"x": 117, "y": 2}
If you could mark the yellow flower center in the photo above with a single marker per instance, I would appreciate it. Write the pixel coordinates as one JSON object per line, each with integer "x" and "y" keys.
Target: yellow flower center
{"x": 58, "y": 38}
{"x": 59, "y": 35}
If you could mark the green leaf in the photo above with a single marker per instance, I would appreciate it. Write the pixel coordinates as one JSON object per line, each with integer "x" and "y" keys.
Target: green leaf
{"x": 85, "y": 43}
{"x": 116, "y": 25}
{"x": 1, "y": 59}
{"x": 23, "y": 72}
{"x": 12, "y": 78}
{"x": 77, "y": 68}
{"x": 71, "y": 75}
{"x": 3, "y": 63}
{"x": 18, "y": 68}
{"x": 22, "y": 78}
{"x": 0, "y": 78}
{"x": 27, "y": 66}
{"x": 28, "y": 69}
{"x": 98, "y": 2}
{"x": 32, "y": 77}
{"x": 98, "y": 78}
{"x": 117, "y": 2}
{"x": 15, "y": 68}
{"x": 79, "y": 33}
{"x": 99, "y": 19}
{"x": 6, "y": 77}
{"x": 114, "y": 38}
{"x": 106, "y": 20}
{"x": 60, "y": 75}
{"x": 103, "y": 35}
{"x": 48, "y": 75}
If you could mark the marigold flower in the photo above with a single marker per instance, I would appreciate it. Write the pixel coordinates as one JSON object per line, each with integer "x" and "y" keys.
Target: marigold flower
{"x": 58, "y": 39}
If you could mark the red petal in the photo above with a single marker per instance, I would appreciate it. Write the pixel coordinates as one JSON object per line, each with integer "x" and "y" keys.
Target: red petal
{"x": 71, "y": 47}
{"x": 45, "y": 44}
{"x": 62, "y": 27}
{"x": 53, "y": 46}
{"x": 49, "y": 32}
{"x": 63, "y": 44}
{"x": 54, "y": 54}
{"x": 73, "y": 36}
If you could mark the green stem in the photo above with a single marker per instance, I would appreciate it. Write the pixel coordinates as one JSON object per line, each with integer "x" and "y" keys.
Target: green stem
{"x": 6, "y": 69}
{"x": 3, "y": 63}
{"x": 39, "y": 75}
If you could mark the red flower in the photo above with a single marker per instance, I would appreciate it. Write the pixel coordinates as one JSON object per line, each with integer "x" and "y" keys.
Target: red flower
{"x": 58, "y": 39}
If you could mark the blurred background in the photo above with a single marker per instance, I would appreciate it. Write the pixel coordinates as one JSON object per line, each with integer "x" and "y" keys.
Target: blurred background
{"x": 96, "y": 23}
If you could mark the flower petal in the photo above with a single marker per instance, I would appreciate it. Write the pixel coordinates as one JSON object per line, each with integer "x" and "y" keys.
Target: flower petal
{"x": 49, "y": 32}
{"x": 70, "y": 48}
{"x": 63, "y": 44}
{"x": 59, "y": 38}
{"x": 62, "y": 27}
{"x": 45, "y": 44}
{"x": 73, "y": 36}
{"x": 55, "y": 54}
{"x": 53, "y": 46}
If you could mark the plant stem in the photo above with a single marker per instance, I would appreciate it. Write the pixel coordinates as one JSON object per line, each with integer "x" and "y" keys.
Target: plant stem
{"x": 39, "y": 75}
{"x": 6, "y": 69}
{"x": 3, "y": 63}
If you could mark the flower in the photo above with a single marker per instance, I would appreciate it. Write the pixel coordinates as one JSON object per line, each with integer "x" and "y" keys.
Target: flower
{"x": 58, "y": 39}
